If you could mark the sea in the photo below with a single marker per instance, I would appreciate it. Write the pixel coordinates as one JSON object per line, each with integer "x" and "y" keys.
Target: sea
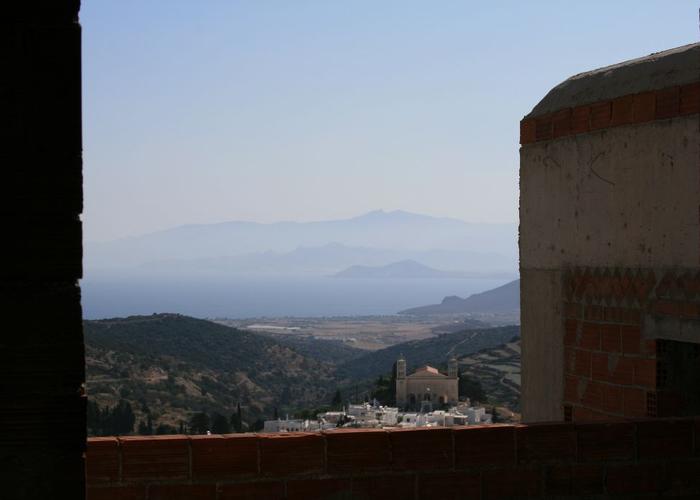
{"x": 260, "y": 297}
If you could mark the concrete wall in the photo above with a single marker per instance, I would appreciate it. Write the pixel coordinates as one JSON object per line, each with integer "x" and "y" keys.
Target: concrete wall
{"x": 611, "y": 184}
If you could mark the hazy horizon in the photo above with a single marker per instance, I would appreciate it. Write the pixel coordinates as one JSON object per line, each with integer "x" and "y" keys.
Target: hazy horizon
{"x": 265, "y": 111}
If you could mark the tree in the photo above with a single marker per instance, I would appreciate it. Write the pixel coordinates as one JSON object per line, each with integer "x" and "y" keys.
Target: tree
{"x": 237, "y": 419}
{"x": 199, "y": 423}
{"x": 275, "y": 415}
{"x": 219, "y": 424}
{"x": 258, "y": 425}
{"x": 337, "y": 401}
{"x": 471, "y": 388}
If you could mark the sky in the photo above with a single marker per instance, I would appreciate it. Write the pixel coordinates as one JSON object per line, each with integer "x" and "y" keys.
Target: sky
{"x": 268, "y": 110}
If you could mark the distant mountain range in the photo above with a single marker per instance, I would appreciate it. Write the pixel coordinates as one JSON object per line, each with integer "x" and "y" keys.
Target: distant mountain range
{"x": 404, "y": 269}
{"x": 376, "y": 238}
{"x": 504, "y": 299}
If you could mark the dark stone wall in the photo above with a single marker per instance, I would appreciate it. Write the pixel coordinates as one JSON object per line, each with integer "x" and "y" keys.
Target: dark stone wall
{"x": 42, "y": 374}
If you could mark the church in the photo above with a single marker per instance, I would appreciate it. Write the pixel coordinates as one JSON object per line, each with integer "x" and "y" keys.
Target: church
{"x": 426, "y": 386}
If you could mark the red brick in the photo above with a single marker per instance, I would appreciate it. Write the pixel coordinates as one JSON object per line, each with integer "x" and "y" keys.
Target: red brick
{"x": 599, "y": 367}
{"x": 223, "y": 457}
{"x": 292, "y": 453}
{"x": 572, "y": 311}
{"x": 102, "y": 460}
{"x": 182, "y": 492}
{"x": 521, "y": 482}
{"x": 635, "y": 402}
{"x": 421, "y": 449}
{"x": 690, "y": 310}
{"x": 561, "y": 123}
{"x": 582, "y": 363}
{"x": 310, "y": 489}
{"x": 269, "y": 490}
{"x": 569, "y": 358}
{"x": 116, "y": 493}
{"x": 612, "y": 398}
{"x": 477, "y": 446}
{"x": 383, "y": 487}
{"x": 637, "y": 478}
{"x": 593, "y": 395}
{"x": 622, "y": 370}
{"x": 645, "y": 372}
{"x": 590, "y": 337}
{"x": 631, "y": 339}
{"x": 605, "y": 442}
{"x": 155, "y": 457}
{"x": 580, "y": 119}
{"x": 527, "y": 131}
{"x": 571, "y": 389}
{"x": 667, "y": 103}
{"x": 578, "y": 479}
{"x": 610, "y": 338}
{"x": 684, "y": 477}
{"x": 666, "y": 308}
{"x": 622, "y": 110}
{"x": 545, "y": 442}
{"x": 593, "y": 312}
{"x": 600, "y": 115}
{"x": 644, "y": 107}
{"x": 665, "y": 438}
{"x": 543, "y": 128}
{"x": 582, "y": 414}
{"x": 357, "y": 450}
{"x": 449, "y": 486}
{"x": 690, "y": 99}
{"x": 569, "y": 336}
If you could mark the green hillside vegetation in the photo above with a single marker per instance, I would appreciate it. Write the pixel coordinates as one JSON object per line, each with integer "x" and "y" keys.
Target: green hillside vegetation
{"x": 166, "y": 372}
{"x": 175, "y": 365}
{"x": 434, "y": 351}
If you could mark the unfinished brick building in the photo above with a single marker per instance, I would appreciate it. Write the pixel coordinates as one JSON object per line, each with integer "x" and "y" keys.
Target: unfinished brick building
{"x": 610, "y": 252}
{"x": 610, "y": 242}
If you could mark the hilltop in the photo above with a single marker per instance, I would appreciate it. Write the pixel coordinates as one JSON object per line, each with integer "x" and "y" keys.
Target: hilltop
{"x": 176, "y": 364}
{"x": 504, "y": 299}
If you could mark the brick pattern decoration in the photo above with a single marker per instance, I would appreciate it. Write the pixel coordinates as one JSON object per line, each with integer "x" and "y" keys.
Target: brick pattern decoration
{"x": 626, "y": 110}
{"x": 554, "y": 460}
{"x": 612, "y": 369}
{"x": 42, "y": 407}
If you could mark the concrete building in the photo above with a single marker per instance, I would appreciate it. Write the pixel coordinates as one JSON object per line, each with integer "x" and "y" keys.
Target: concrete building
{"x": 426, "y": 385}
{"x": 610, "y": 243}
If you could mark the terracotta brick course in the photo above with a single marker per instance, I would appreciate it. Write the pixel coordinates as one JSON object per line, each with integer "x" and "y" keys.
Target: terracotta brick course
{"x": 160, "y": 457}
{"x": 102, "y": 460}
{"x": 665, "y": 438}
{"x": 484, "y": 445}
{"x": 293, "y": 453}
{"x": 545, "y": 442}
{"x": 577, "y": 479}
{"x": 602, "y": 442}
{"x": 517, "y": 482}
{"x": 269, "y": 490}
{"x": 319, "y": 489}
{"x": 182, "y": 492}
{"x": 357, "y": 450}
{"x": 623, "y": 110}
{"x": 635, "y": 479}
{"x": 449, "y": 486}
{"x": 421, "y": 449}
{"x": 226, "y": 455}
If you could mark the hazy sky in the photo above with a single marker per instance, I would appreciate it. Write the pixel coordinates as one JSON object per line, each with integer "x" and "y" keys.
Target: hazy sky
{"x": 206, "y": 111}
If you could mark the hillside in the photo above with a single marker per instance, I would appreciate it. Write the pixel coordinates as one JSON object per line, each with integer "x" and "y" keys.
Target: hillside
{"x": 498, "y": 371}
{"x": 176, "y": 364}
{"x": 405, "y": 269}
{"x": 434, "y": 351}
{"x": 503, "y": 299}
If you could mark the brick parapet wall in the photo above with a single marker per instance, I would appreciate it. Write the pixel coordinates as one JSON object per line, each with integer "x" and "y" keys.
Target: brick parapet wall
{"x": 575, "y": 460}
{"x": 624, "y": 110}
{"x": 614, "y": 364}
